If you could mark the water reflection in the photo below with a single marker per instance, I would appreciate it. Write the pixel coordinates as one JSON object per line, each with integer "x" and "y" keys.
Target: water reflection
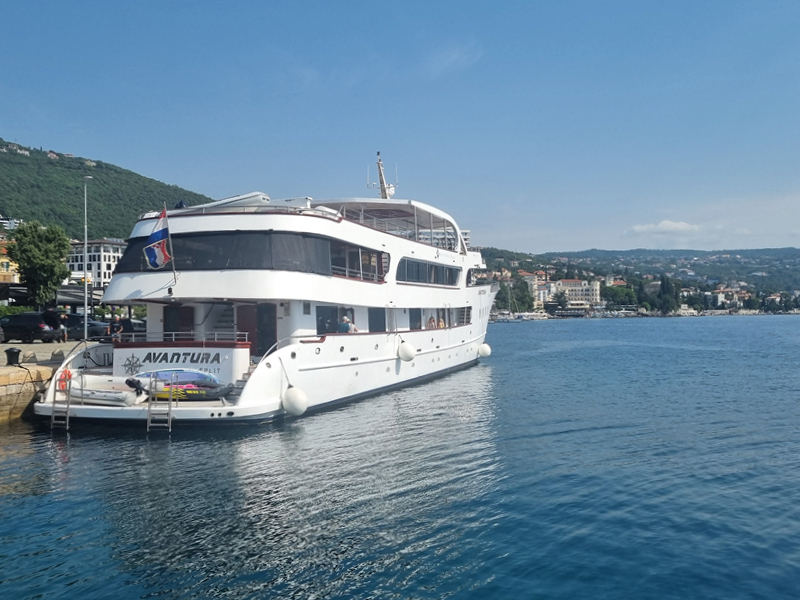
{"x": 361, "y": 501}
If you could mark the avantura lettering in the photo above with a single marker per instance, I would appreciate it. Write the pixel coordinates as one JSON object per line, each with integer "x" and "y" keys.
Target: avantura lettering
{"x": 197, "y": 358}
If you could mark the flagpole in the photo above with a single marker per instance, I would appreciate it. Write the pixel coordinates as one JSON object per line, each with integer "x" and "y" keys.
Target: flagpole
{"x": 171, "y": 252}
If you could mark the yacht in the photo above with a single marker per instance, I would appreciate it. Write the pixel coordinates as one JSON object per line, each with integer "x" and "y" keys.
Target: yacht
{"x": 261, "y": 309}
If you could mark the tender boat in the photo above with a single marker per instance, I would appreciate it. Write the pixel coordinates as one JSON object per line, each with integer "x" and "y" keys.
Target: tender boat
{"x": 291, "y": 305}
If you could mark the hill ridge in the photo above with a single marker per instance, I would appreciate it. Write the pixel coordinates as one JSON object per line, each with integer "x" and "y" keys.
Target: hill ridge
{"x": 47, "y": 186}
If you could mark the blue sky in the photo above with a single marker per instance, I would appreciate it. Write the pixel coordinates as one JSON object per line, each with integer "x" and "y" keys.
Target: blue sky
{"x": 541, "y": 126}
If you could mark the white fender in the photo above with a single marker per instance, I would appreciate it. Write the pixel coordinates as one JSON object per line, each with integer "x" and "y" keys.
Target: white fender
{"x": 484, "y": 350}
{"x": 295, "y": 401}
{"x": 406, "y": 352}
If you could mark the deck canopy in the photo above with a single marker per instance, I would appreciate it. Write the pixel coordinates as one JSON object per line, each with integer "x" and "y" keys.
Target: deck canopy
{"x": 407, "y": 218}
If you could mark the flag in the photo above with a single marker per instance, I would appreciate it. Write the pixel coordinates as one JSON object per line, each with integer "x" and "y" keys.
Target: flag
{"x": 156, "y": 249}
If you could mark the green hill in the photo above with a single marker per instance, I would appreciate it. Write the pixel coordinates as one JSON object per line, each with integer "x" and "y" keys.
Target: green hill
{"x": 50, "y": 190}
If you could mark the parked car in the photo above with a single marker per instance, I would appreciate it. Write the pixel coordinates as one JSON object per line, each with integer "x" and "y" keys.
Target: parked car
{"x": 27, "y": 327}
{"x": 95, "y": 329}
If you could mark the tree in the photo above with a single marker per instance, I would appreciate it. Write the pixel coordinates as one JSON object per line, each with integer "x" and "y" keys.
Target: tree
{"x": 560, "y": 298}
{"x": 501, "y": 300}
{"x": 41, "y": 254}
{"x": 616, "y": 295}
{"x": 752, "y": 303}
{"x": 521, "y": 294}
{"x": 666, "y": 297}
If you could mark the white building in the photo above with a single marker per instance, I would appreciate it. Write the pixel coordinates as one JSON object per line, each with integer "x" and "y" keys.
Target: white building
{"x": 9, "y": 223}
{"x": 580, "y": 293}
{"x": 103, "y": 257}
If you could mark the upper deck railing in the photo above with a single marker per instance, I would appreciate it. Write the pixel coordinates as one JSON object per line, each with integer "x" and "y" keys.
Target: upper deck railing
{"x": 185, "y": 336}
{"x": 406, "y": 226}
{"x": 403, "y": 228}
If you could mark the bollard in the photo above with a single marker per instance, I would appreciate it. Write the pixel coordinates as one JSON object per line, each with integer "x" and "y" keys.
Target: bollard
{"x": 12, "y": 356}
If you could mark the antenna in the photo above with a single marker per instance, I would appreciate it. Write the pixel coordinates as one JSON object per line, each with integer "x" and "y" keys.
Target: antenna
{"x": 387, "y": 189}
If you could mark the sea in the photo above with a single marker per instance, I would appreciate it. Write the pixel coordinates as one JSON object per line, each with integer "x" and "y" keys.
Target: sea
{"x": 588, "y": 458}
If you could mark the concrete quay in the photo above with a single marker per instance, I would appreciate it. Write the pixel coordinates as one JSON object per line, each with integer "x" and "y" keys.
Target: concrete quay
{"x": 20, "y": 384}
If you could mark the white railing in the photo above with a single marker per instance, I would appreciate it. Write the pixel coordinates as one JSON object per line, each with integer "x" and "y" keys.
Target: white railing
{"x": 186, "y": 336}
{"x": 355, "y": 273}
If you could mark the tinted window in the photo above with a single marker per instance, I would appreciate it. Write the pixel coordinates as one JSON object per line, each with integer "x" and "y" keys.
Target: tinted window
{"x": 376, "y": 318}
{"x": 327, "y": 319}
{"x": 237, "y": 250}
{"x": 420, "y": 271}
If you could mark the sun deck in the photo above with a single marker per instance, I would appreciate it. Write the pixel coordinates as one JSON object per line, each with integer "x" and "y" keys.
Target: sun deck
{"x": 408, "y": 219}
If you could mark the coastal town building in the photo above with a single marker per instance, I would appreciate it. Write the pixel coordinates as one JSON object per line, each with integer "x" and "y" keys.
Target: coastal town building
{"x": 8, "y": 268}
{"x": 579, "y": 293}
{"x": 9, "y": 224}
{"x": 103, "y": 255}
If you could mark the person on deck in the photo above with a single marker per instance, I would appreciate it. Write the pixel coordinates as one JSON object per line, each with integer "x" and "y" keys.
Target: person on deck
{"x": 115, "y": 329}
{"x": 431, "y": 324}
{"x": 346, "y": 326}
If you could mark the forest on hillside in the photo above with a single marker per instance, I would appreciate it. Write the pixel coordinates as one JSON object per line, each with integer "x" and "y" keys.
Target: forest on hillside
{"x": 50, "y": 190}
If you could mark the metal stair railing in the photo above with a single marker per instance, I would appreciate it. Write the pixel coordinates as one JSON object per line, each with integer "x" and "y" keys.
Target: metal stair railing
{"x": 59, "y": 414}
{"x": 158, "y": 415}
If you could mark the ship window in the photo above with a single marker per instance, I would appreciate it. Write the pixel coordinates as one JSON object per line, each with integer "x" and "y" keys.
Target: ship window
{"x": 376, "y": 319}
{"x": 178, "y": 319}
{"x": 251, "y": 248}
{"x": 318, "y": 253}
{"x": 420, "y": 271}
{"x": 415, "y": 318}
{"x": 237, "y": 250}
{"x": 288, "y": 252}
{"x": 327, "y": 319}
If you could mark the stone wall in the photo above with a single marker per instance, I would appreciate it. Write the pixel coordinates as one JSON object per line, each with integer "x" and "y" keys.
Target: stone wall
{"x": 19, "y": 385}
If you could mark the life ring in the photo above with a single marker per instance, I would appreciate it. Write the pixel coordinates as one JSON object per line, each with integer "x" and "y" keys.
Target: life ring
{"x": 65, "y": 376}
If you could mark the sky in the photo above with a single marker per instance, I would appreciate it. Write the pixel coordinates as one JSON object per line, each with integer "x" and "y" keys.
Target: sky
{"x": 540, "y": 126}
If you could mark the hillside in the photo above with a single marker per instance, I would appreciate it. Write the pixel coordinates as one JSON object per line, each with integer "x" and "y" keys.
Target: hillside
{"x": 761, "y": 269}
{"x": 50, "y": 190}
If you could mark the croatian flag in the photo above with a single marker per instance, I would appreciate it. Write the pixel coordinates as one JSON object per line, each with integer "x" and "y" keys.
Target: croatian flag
{"x": 156, "y": 250}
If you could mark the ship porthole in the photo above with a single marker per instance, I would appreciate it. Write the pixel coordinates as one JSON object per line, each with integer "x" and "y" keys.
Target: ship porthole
{"x": 316, "y": 351}
{"x": 294, "y": 354}
{"x": 341, "y": 348}
{"x": 376, "y": 346}
{"x": 269, "y": 366}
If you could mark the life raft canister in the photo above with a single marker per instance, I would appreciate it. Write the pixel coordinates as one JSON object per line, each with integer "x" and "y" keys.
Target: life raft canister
{"x": 63, "y": 378}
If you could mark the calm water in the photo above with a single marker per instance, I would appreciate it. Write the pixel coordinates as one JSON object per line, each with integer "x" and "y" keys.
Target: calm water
{"x": 652, "y": 458}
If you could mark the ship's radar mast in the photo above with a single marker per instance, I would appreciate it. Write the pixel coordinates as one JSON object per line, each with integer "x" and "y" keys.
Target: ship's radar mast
{"x": 387, "y": 189}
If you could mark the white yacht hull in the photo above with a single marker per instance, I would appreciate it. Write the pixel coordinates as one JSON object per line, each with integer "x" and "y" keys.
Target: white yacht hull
{"x": 331, "y": 370}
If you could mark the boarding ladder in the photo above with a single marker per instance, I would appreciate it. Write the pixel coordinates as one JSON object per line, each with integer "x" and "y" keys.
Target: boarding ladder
{"x": 159, "y": 412}
{"x": 59, "y": 415}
